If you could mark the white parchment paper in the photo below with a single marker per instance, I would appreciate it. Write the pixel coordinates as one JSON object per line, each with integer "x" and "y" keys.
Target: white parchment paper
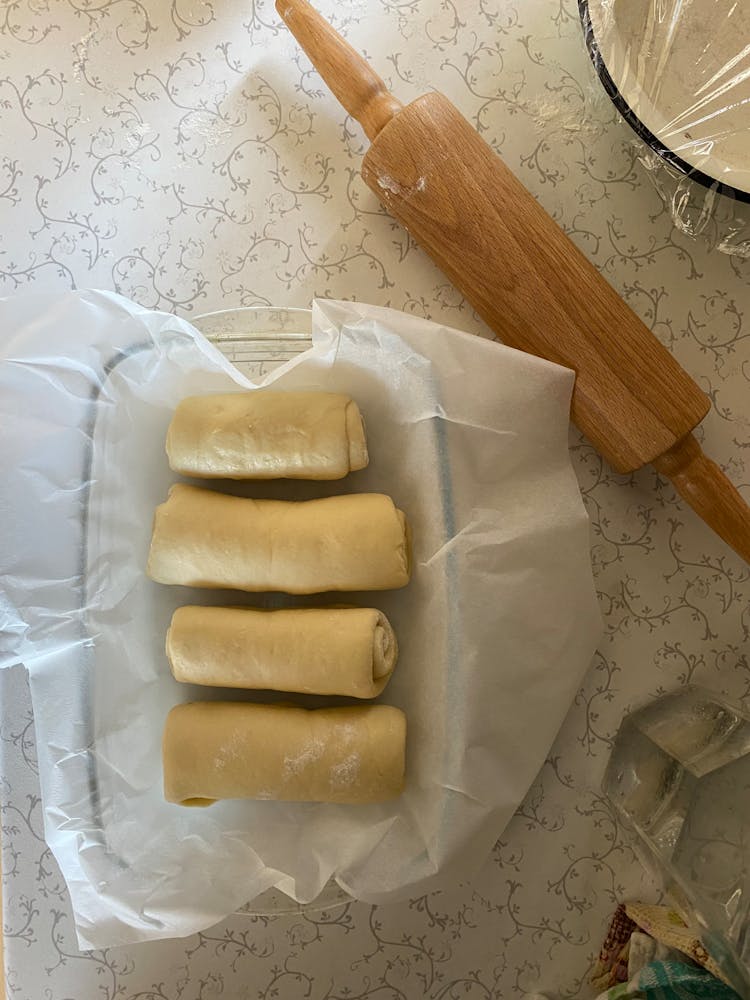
{"x": 496, "y": 628}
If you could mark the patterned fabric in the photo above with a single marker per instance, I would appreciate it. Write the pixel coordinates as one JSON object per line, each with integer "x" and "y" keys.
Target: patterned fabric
{"x": 612, "y": 965}
{"x": 671, "y": 981}
{"x": 648, "y": 963}
{"x": 666, "y": 925}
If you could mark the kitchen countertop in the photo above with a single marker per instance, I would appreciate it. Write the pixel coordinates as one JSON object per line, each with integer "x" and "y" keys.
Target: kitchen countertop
{"x": 185, "y": 155}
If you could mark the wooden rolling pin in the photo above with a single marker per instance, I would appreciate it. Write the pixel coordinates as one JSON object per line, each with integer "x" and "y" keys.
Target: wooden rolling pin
{"x": 525, "y": 278}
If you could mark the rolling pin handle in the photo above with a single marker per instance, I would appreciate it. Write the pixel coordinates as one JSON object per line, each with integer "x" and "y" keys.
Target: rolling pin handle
{"x": 702, "y": 484}
{"x": 348, "y": 74}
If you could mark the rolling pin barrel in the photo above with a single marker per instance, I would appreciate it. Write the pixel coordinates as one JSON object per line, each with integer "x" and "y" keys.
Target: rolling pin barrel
{"x": 529, "y": 282}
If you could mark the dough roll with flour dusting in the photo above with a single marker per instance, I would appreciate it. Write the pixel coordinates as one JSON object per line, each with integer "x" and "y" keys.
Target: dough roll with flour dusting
{"x": 201, "y": 538}
{"x": 267, "y": 435}
{"x": 331, "y": 651}
{"x": 235, "y": 750}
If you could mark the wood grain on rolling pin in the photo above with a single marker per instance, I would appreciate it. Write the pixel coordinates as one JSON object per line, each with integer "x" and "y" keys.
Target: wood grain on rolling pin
{"x": 529, "y": 282}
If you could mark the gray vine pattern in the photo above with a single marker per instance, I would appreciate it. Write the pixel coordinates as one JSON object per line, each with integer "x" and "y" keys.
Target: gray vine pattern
{"x": 184, "y": 153}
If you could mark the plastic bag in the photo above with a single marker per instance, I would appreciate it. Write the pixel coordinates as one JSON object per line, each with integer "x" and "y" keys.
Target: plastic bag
{"x": 678, "y": 777}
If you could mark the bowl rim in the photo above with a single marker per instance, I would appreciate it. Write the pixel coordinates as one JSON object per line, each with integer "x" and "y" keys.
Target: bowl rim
{"x": 639, "y": 127}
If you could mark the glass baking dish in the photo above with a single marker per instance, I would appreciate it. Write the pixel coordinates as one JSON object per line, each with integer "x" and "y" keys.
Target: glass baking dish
{"x": 259, "y": 339}
{"x": 100, "y": 684}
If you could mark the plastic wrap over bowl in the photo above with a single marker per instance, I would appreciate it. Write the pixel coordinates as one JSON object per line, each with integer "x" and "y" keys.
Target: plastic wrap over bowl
{"x": 679, "y": 73}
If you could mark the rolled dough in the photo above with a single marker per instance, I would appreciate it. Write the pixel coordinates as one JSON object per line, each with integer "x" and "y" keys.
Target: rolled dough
{"x": 205, "y": 539}
{"x": 334, "y": 651}
{"x": 232, "y": 750}
{"x": 267, "y": 435}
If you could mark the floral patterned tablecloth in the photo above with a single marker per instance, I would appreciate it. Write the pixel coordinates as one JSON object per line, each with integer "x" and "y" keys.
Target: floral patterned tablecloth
{"x": 183, "y": 153}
